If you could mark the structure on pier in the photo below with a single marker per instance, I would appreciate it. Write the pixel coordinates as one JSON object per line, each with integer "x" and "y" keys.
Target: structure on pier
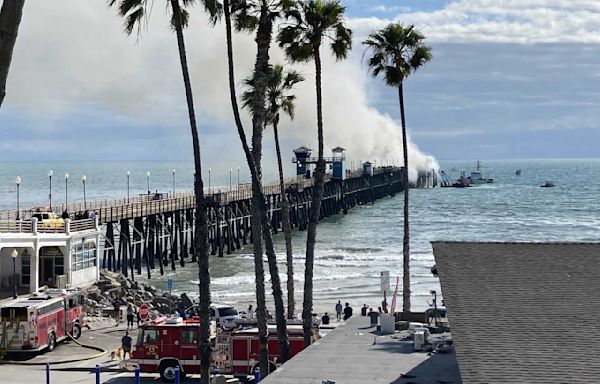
{"x": 58, "y": 254}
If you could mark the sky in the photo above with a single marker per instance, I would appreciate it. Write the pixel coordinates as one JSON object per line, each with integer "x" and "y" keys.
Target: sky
{"x": 508, "y": 79}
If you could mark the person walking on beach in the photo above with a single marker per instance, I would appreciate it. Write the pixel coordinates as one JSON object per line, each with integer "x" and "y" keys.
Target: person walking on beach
{"x": 130, "y": 313}
{"x": 363, "y": 310}
{"x": 117, "y": 310}
{"x": 126, "y": 344}
{"x": 347, "y": 312}
{"x": 338, "y": 310}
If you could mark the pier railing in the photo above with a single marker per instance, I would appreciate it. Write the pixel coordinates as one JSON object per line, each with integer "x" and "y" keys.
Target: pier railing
{"x": 110, "y": 210}
{"x": 33, "y": 225}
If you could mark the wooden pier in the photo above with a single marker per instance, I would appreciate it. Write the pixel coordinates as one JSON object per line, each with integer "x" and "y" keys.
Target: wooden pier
{"x": 155, "y": 231}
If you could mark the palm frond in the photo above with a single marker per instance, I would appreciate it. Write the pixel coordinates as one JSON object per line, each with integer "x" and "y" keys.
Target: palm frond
{"x": 214, "y": 8}
{"x": 185, "y": 18}
{"x": 396, "y": 51}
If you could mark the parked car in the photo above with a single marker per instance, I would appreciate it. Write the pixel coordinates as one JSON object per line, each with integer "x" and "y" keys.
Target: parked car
{"x": 47, "y": 219}
{"x": 224, "y": 315}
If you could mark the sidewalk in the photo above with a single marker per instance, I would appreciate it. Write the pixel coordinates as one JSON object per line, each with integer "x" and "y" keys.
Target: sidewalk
{"x": 348, "y": 355}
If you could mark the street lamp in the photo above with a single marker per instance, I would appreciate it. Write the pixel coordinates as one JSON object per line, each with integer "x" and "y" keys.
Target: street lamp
{"x": 173, "y": 181}
{"x": 238, "y": 177}
{"x": 148, "y": 180}
{"x": 50, "y": 173}
{"x": 230, "y": 170}
{"x": 18, "y": 182}
{"x": 83, "y": 179}
{"x": 128, "y": 175}
{"x": 209, "y": 170}
{"x": 14, "y": 255}
{"x": 66, "y": 190}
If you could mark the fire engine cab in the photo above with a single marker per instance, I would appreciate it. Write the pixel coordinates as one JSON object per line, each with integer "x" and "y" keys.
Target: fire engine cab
{"x": 166, "y": 344}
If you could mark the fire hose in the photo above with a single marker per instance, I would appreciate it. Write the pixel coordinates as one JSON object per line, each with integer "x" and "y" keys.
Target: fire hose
{"x": 91, "y": 357}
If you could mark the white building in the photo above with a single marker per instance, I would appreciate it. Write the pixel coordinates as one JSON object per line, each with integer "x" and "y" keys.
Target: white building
{"x": 61, "y": 254}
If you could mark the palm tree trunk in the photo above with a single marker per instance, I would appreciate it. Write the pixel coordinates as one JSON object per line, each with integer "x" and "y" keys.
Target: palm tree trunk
{"x": 260, "y": 224}
{"x": 315, "y": 208}
{"x": 259, "y": 272}
{"x": 261, "y": 69}
{"x": 10, "y": 18}
{"x": 201, "y": 228}
{"x": 287, "y": 226}
{"x": 405, "y": 242}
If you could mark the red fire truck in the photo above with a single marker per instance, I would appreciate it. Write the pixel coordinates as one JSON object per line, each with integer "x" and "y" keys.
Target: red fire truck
{"x": 41, "y": 320}
{"x": 166, "y": 344}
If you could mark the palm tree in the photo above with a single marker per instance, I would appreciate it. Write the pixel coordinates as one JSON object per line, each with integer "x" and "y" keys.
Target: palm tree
{"x": 134, "y": 12}
{"x": 279, "y": 83}
{"x": 396, "y": 52}
{"x": 313, "y": 23}
{"x": 256, "y": 15}
{"x": 10, "y": 18}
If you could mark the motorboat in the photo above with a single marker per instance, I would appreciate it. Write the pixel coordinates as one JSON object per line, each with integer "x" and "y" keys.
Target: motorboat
{"x": 548, "y": 184}
{"x": 476, "y": 176}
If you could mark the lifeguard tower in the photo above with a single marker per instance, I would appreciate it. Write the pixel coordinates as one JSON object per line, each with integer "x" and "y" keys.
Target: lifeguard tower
{"x": 338, "y": 163}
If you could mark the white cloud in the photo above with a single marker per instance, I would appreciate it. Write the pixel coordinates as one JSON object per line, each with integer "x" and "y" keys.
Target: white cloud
{"x": 503, "y": 21}
{"x": 86, "y": 59}
{"x": 387, "y": 8}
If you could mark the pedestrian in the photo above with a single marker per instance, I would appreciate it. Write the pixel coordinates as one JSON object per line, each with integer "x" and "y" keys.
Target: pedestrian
{"x": 117, "y": 310}
{"x": 250, "y": 312}
{"x": 182, "y": 312}
{"x": 363, "y": 310}
{"x": 325, "y": 319}
{"x": 374, "y": 316}
{"x": 347, "y": 312}
{"x": 379, "y": 310}
{"x": 126, "y": 344}
{"x": 93, "y": 215}
{"x": 338, "y": 310}
{"x": 130, "y": 316}
{"x": 65, "y": 214}
{"x": 384, "y": 305}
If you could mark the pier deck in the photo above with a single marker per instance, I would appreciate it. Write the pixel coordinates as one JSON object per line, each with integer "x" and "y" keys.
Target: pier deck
{"x": 155, "y": 231}
{"x": 347, "y": 355}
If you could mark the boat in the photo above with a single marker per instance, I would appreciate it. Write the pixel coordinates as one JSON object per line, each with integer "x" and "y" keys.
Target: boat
{"x": 518, "y": 172}
{"x": 477, "y": 178}
{"x": 461, "y": 182}
{"x": 548, "y": 184}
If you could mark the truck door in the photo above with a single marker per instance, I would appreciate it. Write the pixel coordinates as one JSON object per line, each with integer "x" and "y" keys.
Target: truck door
{"x": 148, "y": 345}
{"x": 189, "y": 343}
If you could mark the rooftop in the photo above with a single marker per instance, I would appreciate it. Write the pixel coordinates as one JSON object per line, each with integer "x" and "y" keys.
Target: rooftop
{"x": 348, "y": 355}
{"x": 522, "y": 312}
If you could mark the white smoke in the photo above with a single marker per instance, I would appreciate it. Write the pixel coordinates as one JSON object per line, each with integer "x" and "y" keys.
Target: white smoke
{"x": 86, "y": 59}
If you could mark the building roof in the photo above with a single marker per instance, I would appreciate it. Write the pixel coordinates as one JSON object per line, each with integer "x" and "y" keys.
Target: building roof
{"x": 338, "y": 149}
{"x": 302, "y": 150}
{"x": 522, "y": 312}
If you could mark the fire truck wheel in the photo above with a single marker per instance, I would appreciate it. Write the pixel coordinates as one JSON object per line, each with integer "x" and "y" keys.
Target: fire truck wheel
{"x": 76, "y": 331}
{"x": 167, "y": 371}
{"x": 51, "y": 342}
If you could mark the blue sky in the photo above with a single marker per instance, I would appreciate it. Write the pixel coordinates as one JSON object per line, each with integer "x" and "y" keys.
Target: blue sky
{"x": 509, "y": 79}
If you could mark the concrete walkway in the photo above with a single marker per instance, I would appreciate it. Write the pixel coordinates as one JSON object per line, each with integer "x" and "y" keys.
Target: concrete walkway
{"x": 348, "y": 355}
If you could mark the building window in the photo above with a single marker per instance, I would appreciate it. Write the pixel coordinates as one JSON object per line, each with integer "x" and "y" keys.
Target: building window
{"x": 83, "y": 255}
{"x": 25, "y": 268}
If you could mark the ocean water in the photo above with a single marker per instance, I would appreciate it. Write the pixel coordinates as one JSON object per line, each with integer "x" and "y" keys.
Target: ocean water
{"x": 353, "y": 249}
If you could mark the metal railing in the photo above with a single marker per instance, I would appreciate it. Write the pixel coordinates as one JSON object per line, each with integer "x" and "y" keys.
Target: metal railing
{"x": 47, "y": 226}
{"x": 111, "y": 210}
